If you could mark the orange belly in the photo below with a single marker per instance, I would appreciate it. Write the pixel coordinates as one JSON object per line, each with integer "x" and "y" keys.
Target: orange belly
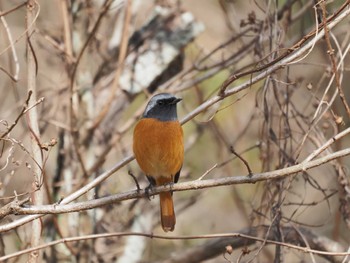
{"x": 159, "y": 149}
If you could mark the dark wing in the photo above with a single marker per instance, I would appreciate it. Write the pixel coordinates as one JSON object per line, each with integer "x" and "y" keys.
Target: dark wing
{"x": 177, "y": 176}
{"x": 151, "y": 180}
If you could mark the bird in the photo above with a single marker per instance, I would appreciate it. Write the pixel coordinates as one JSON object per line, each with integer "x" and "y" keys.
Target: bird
{"x": 158, "y": 148}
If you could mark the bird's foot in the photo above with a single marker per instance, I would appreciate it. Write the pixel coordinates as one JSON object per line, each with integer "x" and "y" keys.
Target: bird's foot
{"x": 148, "y": 191}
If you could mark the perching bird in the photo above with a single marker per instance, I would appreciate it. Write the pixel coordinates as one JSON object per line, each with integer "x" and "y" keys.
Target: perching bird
{"x": 159, "y": 149}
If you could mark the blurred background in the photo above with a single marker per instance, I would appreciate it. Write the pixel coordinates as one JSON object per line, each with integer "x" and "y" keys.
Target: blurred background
{"x": 96, "y": 63}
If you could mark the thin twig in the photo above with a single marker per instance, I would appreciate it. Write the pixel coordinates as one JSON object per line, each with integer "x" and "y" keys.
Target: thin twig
{"x": 287, "y": 53}
{"x": 242, "y": 159}
{"x": 25, "y": 33}
{"x": 333, "y": 61}
{"x": 138, "y": 188}
{"x": 121, "y": 58}
{"x": 12, "y": 9}
{"x": 23, "y": 111}
{"x": 72, "y": 87}
{"x": 245, "y": 234}
{"x": 280, "y": 63}
{"x": 14, "y": 76}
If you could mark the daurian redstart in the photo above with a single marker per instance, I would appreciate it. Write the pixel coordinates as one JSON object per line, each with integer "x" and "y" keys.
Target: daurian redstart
{"x": 159, "y": 149}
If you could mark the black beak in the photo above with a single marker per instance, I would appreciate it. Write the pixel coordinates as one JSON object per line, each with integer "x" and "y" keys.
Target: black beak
{"x": 176, "y": 100}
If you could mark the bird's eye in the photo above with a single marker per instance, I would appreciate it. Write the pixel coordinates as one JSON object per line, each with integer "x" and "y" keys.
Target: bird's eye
{"x": 160, "y": 102}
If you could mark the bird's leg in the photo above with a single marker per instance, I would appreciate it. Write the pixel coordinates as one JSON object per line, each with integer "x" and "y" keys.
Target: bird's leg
{"x": 148, "y": 189}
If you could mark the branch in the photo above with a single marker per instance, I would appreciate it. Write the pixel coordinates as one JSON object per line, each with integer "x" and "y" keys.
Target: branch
{"x": 13, "y": 76}
{"x": 71, "y": 197}
{"x": 6, "y": 209}
{"x": 280, "y": 63}
{"x": 333, "y": 61}
{"x": 318, "y": 244}
{"x": 73, "y": 108}
{"x": 4, "y": 13}
{"x": 195, "y": 112}
{"x": 296, "y": 47}
{"x": 121, "y": 57}
{"x": 192, "y": 185}
{"x": 292, "y": 239}
{"x": 33, "y": 125}
{"x": 23, "y": 111}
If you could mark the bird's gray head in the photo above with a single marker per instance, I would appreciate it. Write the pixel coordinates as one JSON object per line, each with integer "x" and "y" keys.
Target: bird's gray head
{"x": 162, "y": 107}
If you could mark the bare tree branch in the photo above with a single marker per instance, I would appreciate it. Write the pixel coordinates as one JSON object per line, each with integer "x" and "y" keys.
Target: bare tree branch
{"x": 193, "y": 185}
{"x": 217, "y": 245}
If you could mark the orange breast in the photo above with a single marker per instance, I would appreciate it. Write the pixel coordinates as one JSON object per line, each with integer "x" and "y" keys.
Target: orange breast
{"x": 158, "y": 148}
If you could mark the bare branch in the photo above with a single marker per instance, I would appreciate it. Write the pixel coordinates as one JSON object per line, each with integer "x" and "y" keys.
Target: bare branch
{"x": 193, "y": 185}
{"x": 216, "y": 246}
{"x": 32, "y": 116}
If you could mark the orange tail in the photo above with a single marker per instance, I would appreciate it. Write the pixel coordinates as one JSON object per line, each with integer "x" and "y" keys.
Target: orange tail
{"x": 167, "y": 213}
